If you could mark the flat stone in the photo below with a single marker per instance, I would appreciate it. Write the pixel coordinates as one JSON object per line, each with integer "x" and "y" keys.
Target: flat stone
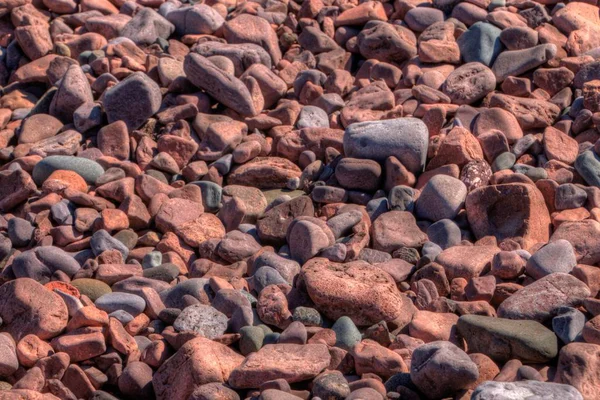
{"x": 503, "y": 339}
{"x": 525, "y": 389}
{"x": 405, "y": 138}
{"x": 203, "y": 319}
{"x": 292, "y": 362}
{"x": 542, "y": 299}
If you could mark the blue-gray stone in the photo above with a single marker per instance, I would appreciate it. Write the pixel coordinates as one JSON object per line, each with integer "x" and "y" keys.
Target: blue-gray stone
{"x": 20, "y": 231}
{"x": 525, "y": 390}
{"x": 131, "y": 303}
{"x": 134, "y": 99}
{"x": 152, "y": 259}
{"x": 444, "y": 233}
{"x": 223, "y": 164}
{"x": 517, "y": 62}
{"x": 569, "y": 196}
{"x": 146, "y": 26}
{"x": 441, "y": 198}
{"x": 102, "y": 241}
{"x": 195, "y": 287}
{"x": 63, "y": 212}
{"x": 376, "y": 207}
{"x": 88, "y": 169}
{"x": 557, "y": 256}
{"x": 123, "y": 316}
{"x": 480, "y": 43}
{"x": 265, "y": 276}
{"x": 251, "y": 339}
{"x": 431, "y": 250}
{"x": 504, "y": 161}
{"x": 402, "y": 198}
{"x": 588, "y": 166}
{"x": 405, "y": 138}
{"x": 568, "y": 324}
{"x": 40, "y": 263}
{"x": 211, "y": 195}
{"x": 346, "y": 333}
{"x": 312, "y": 117}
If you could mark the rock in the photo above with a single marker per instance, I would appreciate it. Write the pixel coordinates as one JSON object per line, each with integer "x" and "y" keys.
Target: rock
{"x": 196, "y": 19}
{"x": 292, "y": 362}
{"x": 26, "y": 307}
{"x": 20, "y": 231}
{"x": 480, "y": 43}
{"x": 42, "y": 263}
{"x": 405, "y": 138}
{"x": 39, "y": 127}
{"x": 588, "y": 166}
{"x": 136, "y": 380}
{"x": 364, "y": 293}
{"x": 224, "y": 87}
{"x": 114, "y": 301}
{"x": 509, "y": 211}
{"x": 583, "y": 236}
{"x": 347, "y": 334}
{"x": 87, "y": 169}
{"x": 197, "y": 362}
{"x": 306, "y": 237}
{"x": 133, "y": 100}
{"x": 439, "y": 369}
{"x": 203, "y": 319}
{"x": 331, "y": 385}
{"x": 469, "y": 83}
{"x": 578, "y": 366}
{"x": 272, "y": 226}
{"x": 502, "y": 339}
{"x": 524, "y": 389}
{"x": 441, "y": 198}
{"x": 466, "y": 262}
{"x": 400, "y": 43}
{"x": 395, "y": 229}
{"x": 517, "y": 62}
{"x": 541, "y": 300}
{"x": 568, "y": 324}
{"x": 557, "y": 256}
{"x": 146, "y": 27}
{"x": 73, "y": 91}
{"x": 247, "y": 28}
{"x": 531, "y": 113}
{"x": 8, "y": 356}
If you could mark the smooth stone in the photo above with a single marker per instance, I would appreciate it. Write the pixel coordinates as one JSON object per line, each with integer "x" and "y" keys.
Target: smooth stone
{"x": 102, "y": 241}
{"x": 525, "y": 390}
{"x": 503, "y": 339}
{"x": 517, "y": 62}
{"x": 86, "y": 168}
{"x": 405, "y": 138}
{"x": 441, "y": 198}
{"x": 541, "y": 300}
{"x": 444, "y": 233}
{"x": 480, "y": 43}
{"x": 347, "y": 334}
{"x": 557, "y": 256}
{"x": 568, "y": 324}
{"x": 131, "y": 303}
{"x": 588, "y": 166}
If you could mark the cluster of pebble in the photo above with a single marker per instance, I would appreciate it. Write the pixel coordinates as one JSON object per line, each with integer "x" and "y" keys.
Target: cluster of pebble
{"x": 299, "y": 199}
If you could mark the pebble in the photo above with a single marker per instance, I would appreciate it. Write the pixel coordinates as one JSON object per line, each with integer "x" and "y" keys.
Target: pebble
{"x": 114, "y": 301}
{"x": 87, "y": 169}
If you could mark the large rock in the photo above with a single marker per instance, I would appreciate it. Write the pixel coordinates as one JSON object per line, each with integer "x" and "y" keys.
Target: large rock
{"x": 524, "y": 390}
{"x": 584, "y": 236}
{"x": 292, "y": 362}
{"x": 466, "y": 261}
{"x": 358, "y": 290}
{"x": 503, "y": 339}
{"x": 579, "y": 366}
{"x": 404, "y": 138}
{"x": 440, "y": 369}
{"x": 133, "y": 100}
{"x": 42, "y": 262}
{"x": 200, "y": 318}
{"x": 26, "y": 307}
{"x": 395, "y": 229}
{"x": 509, "y": 211}
{"x": 442, "y": 197}
{"x": 541, "y": 300}
{"x": 198, "y": 362}
{"x": 222, "y": 86}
